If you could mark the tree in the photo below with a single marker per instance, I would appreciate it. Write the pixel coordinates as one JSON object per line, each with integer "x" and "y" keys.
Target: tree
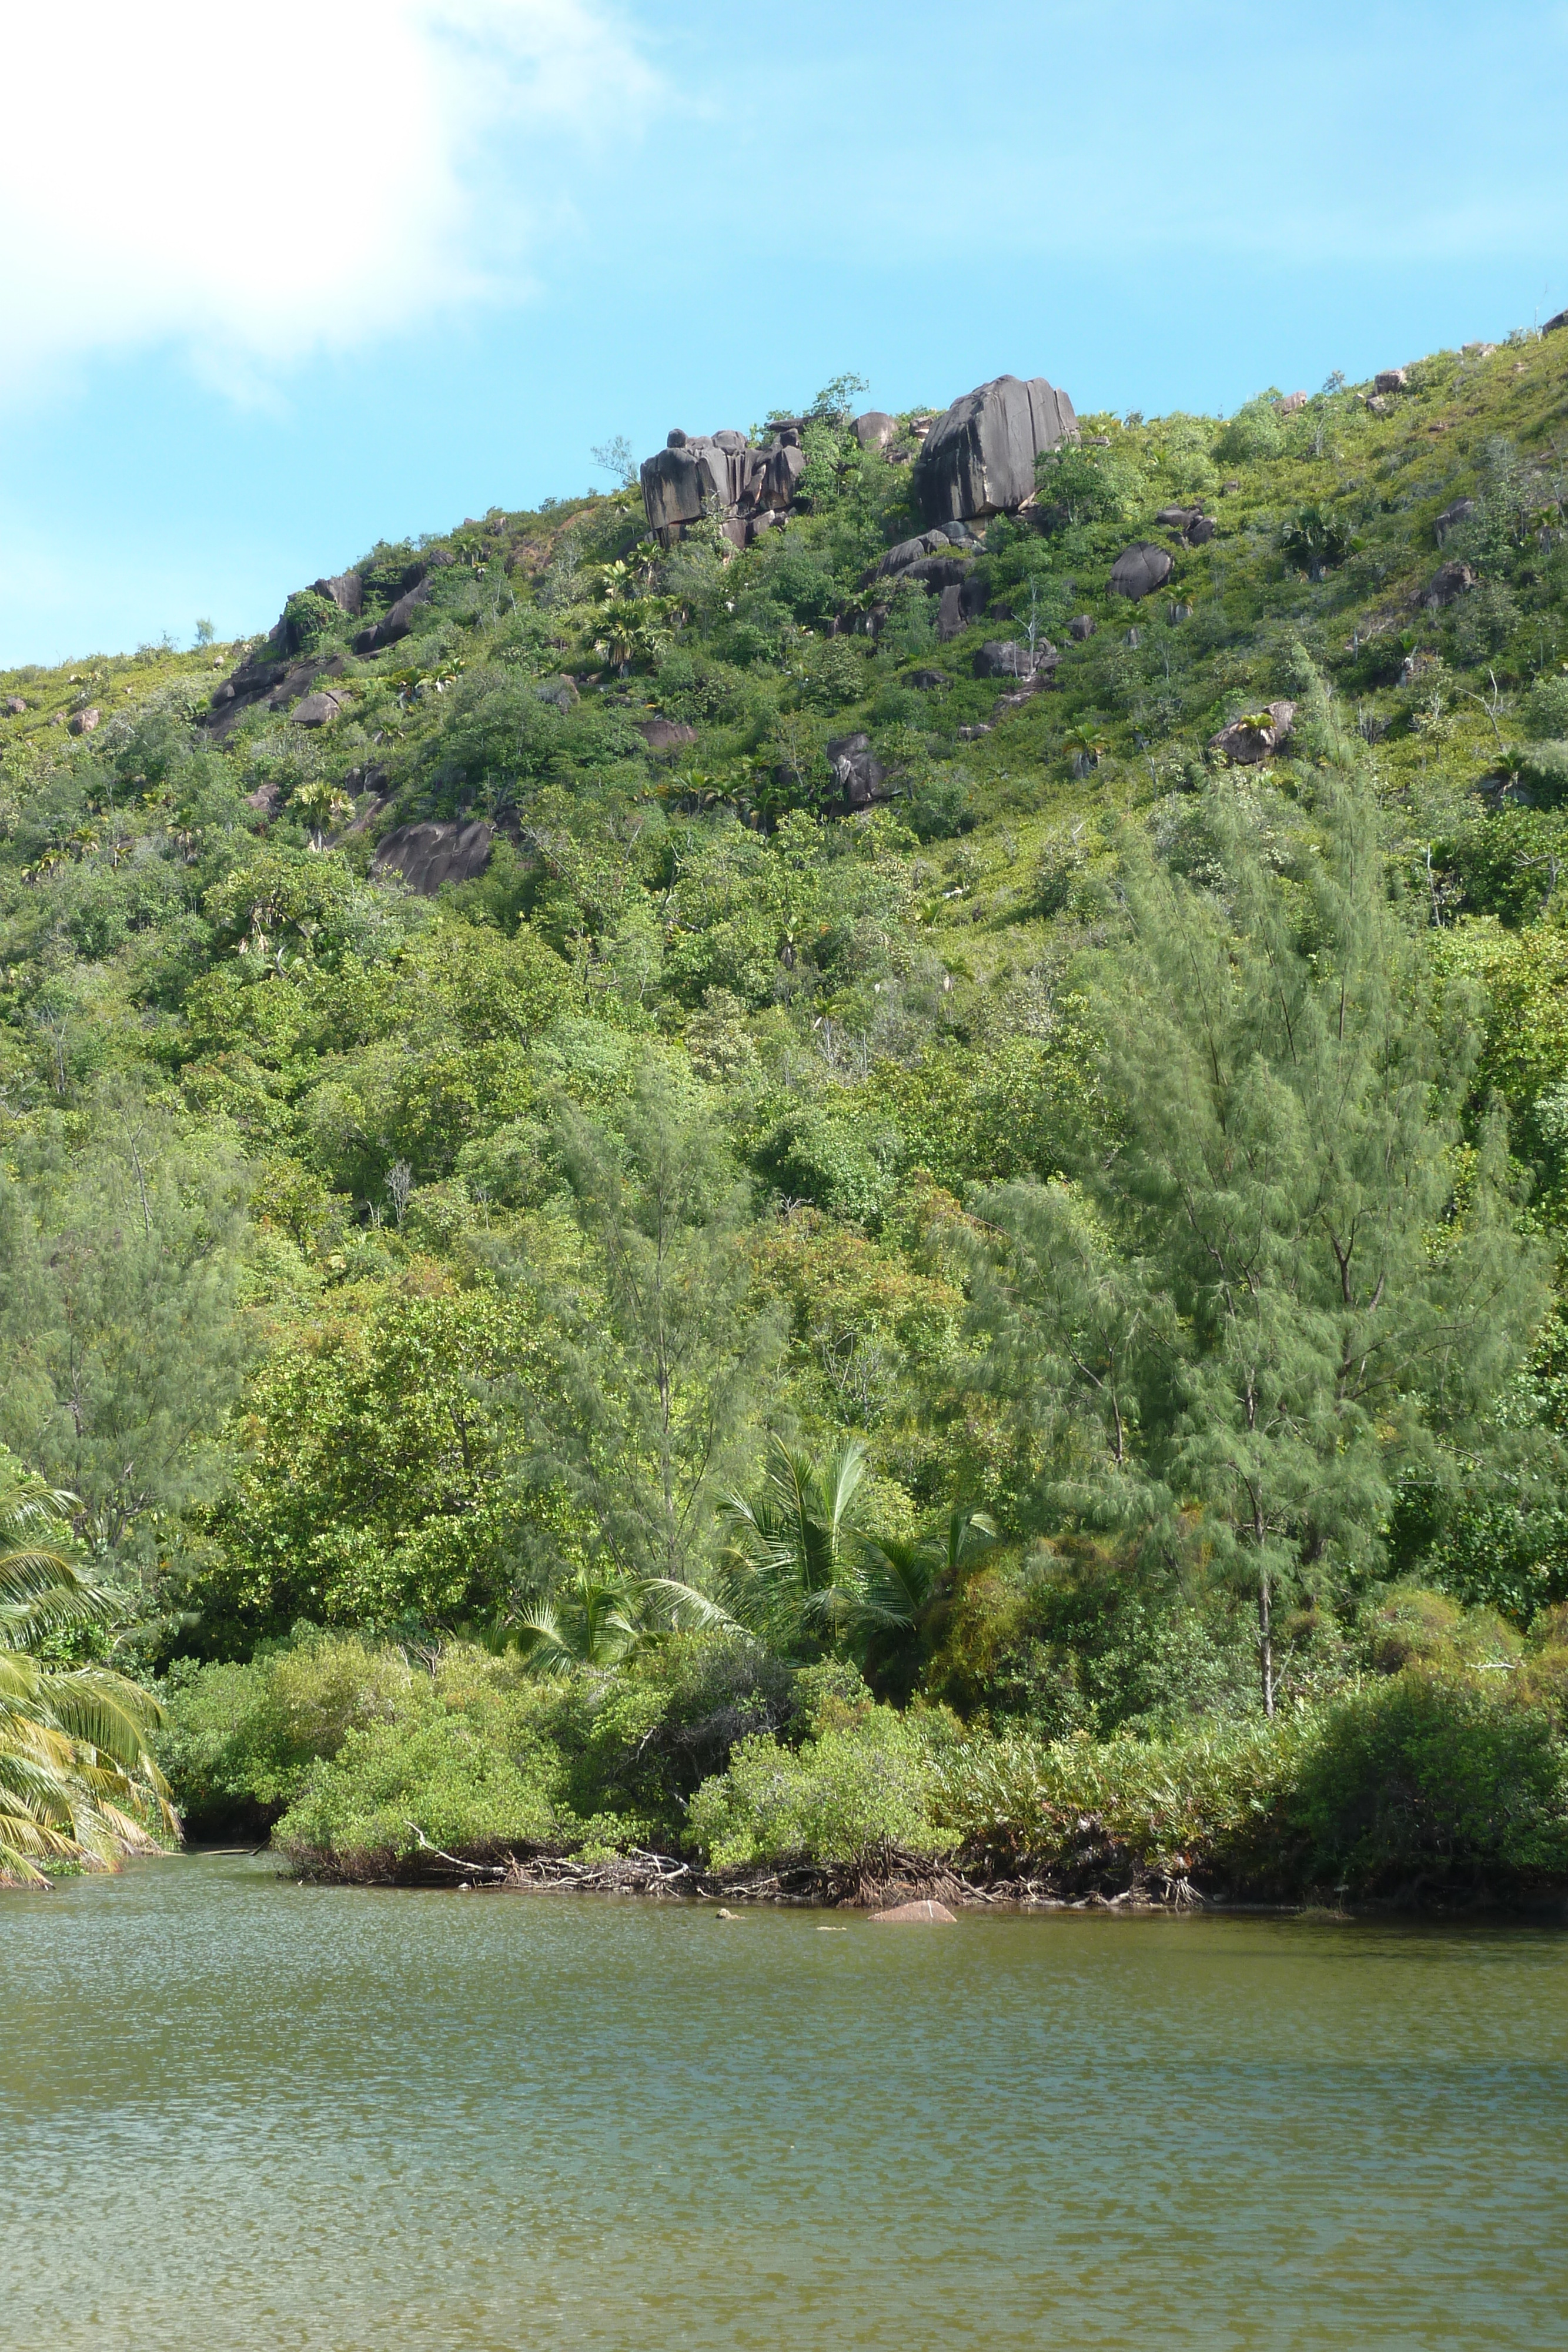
{"x": 1283, "y": 1266}
{"x": 796, "y": 1546}
{"x": 653, "y": 1408}
{"x": 123, "y": 1342}
{"x": 78, "y": 1783}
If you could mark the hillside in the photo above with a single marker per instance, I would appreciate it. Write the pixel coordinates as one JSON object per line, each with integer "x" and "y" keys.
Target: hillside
{"x": 918, "y": 1060}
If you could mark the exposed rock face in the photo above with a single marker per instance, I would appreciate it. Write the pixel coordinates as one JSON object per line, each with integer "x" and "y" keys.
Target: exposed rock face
{"x": 1390, "y": 380}
{"x": 396, "y": 622}
{"x": 426, "y": 855}
{"x": 267, "y": 799}
{"x": 979, "y": 459}
{"x": 995, "y": 659}
{"x": 84, "y": 722}
{"x": 1560, "y": 319}
{"x": 875, "y": 429}
{"x": 1292, "y": 403}
{"x": 1199, "y": 531}
{"x": 15, "y": 706}
{"x": 1451, "y": 517}
{"x": 926, "y": 1913}
{"x": 694, "y": 473}
{"x": 320, "y": 710}
{"x": 862, "y": 779}
{"x": 1447, "y": 585}
{"x": 1082, "y": 627}
{"x": 1247, "y": 740}
{"x": 1139, "y": 569}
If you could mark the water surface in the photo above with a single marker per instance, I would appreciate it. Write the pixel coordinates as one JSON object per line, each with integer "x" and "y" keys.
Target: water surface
{"x": 234, "y": 2112}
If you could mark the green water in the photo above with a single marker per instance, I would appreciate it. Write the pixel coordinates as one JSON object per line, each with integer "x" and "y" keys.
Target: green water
{"x": 236, "y": 2113}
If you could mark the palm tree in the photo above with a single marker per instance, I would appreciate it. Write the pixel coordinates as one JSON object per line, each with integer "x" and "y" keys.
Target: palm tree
{"x": 905, "y": 1581}
{"x": 600, "y": 1622}
{"x": 797, "y": 1548}
{"x": 78, "y": 1783}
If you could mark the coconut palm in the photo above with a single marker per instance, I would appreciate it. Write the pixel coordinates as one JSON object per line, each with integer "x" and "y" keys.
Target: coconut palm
{"x": 600, "y": 1622}
{"x": 797, "y": 1546}
{"x": 78, "y": 1783}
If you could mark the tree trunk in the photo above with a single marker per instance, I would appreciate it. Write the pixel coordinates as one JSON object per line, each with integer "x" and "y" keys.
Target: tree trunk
{"x": 1266, "y": 1644}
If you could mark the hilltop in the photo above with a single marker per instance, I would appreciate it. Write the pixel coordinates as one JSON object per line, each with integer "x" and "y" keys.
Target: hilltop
{"x": 761, "y": 881}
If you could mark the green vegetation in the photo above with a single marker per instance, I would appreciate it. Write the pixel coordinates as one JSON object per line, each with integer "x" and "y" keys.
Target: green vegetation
{"x": 1020, "y": 1328}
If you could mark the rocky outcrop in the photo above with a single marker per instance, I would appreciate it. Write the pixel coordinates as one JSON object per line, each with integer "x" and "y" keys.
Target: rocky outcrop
{"x": 1082, "y": 627}
{"x": 1248, "y": 739}
{"x": 274, "y": 684}
{"x": 84, "y": 722}
{"x": 345, "y": 590}
{"x": 426, "y": 855}
{"x": 396, "y": 622}
{"x": 1012, "y": 659}
{"x": 15, "y": 706}
{"x": 1560, "y": 319}
{"x": 1452, "y": 517}
{"x": 694, "y": 475}
{"x": 979, "y": 458}
{"x": 862, "y": 779}
{"x": 875, "y": 429}
{"x": 1139, "y": 569}
{"x": 1292, "y": 403}
{"x": 1390, "y": 380}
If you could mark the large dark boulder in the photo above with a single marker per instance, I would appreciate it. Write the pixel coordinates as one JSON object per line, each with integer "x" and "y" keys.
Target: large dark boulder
{"x": 861, "y": 778}
{"x": 1139, "y": 569}
{"x": 875, "y": 429}
{"x": 979, "y": 459}
{"x": 426, "y": 855}
{"x": 1453, "y": 516}
{"x": 696, "y": 474}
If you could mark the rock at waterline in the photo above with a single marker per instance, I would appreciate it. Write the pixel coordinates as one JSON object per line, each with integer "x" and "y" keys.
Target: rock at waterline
{"x": 925, "y": 1913}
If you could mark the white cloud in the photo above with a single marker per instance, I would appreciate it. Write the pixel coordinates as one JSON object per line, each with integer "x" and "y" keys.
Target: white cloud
{"x": 260, "y": 184}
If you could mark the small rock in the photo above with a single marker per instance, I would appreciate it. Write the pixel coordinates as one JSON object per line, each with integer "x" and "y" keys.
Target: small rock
{"x": 84, "y": 722}
{"x": 15, "y": 706}
{"x": 1390, "y": 380}
{"x": 1177, "y": 518}
{"x": 1082, "y": 629}
{"x": 1451, "y": 517}
{"x": 1181, "y": 613}
{"x": 925, "y": 1913}
{"x": 1139, "y": 569}
{"x": 1199, "y": 531}
{"x": 1247, "y": 740}
{"x": 1480, "y": 351}
{"x": 722, "y": 1914}
{"x": 265, "y": 800}
{"x": 1292, "y": 403}
{"x": 929, "y": 681}
{"x": 1377, "y": 406}
{"x": 1228, "y": 489}
{"x": 995, "y": 659}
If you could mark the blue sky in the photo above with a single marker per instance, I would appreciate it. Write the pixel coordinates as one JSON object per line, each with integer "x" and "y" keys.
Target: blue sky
{"x": 271, "y": 296}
